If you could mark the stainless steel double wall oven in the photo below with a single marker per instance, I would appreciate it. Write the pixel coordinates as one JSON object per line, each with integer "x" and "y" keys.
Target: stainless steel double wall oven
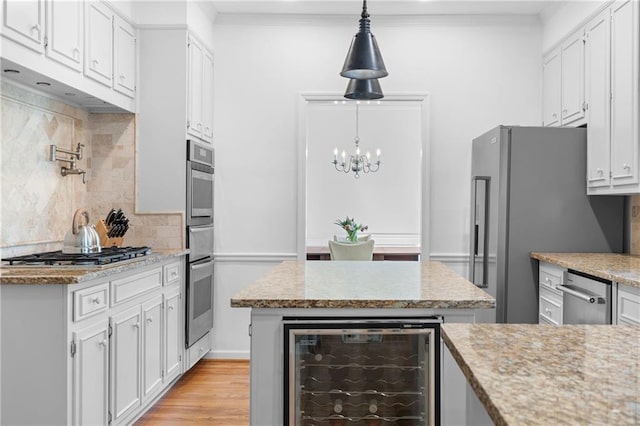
{"x": 199, "y": 212}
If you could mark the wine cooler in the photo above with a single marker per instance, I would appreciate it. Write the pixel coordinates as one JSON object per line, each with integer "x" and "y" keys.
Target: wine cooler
{"x": 365, "y": 371}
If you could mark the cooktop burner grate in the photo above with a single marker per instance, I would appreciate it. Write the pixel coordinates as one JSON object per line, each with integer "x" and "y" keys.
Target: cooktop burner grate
{"x": 106, "y": 256}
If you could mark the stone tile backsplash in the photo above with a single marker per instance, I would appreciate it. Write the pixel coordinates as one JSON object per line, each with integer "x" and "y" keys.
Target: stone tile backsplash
{"x": 38, "y": 202}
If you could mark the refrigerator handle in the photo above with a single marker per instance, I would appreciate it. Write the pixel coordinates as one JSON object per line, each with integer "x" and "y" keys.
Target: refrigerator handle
{"x": 475, "y": 239}
{"x": 481, "y": 229}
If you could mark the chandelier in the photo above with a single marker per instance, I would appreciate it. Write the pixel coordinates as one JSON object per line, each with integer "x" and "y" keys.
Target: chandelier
{"x": 357, "y": 163}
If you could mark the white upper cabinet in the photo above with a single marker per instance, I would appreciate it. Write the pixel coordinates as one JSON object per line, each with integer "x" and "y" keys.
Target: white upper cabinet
{"x": 65, "y": 28}
{"x": 124, "y": 60}
{"x": 624, "y": 94}
{"x": 98, "y": 63}
{"x": 23, "y": 22}
{"x": 572, "y": 80}
{"x": 612, "y": 59}
{"x": 597, "y": 93}
{"x": 563, "y": 83}
{"x": 207, "y": 97}
{"x": 200, "y": 94}
{"x": 551, "y": 89}
{"x": 194, "y": 119}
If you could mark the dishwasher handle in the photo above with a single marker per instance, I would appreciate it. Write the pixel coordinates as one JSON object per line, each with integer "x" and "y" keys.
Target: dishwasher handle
{"x": 581, "y": 295}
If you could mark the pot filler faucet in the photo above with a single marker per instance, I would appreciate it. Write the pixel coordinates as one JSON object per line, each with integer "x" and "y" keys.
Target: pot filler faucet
{"x": 73, "y": 157}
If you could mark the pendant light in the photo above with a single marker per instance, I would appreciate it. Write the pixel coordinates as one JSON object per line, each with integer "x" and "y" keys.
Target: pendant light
{"x": 364, "y": 89}
{"x": 364, "y": 60}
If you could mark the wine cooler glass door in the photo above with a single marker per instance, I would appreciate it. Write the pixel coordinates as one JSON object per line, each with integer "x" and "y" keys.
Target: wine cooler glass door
{"x": 370, "y": 374}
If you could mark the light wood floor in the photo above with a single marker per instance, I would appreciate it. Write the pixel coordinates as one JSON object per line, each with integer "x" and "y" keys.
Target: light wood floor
{"x": 213, "y": 392}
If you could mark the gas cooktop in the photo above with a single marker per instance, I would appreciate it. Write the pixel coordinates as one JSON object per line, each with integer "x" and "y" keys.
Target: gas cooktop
{"x": 108, "y": 256}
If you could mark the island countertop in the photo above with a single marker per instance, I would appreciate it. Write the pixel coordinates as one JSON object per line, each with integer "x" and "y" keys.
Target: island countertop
{"x": 547, "y": 375}
{"x": 353, "y": 284}
{"x": 622, "y": 268}
{"x": 79, "y": 274}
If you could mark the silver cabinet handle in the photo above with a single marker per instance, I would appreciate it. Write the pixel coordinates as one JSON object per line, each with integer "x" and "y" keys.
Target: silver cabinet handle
{"x": 580, "y": 295}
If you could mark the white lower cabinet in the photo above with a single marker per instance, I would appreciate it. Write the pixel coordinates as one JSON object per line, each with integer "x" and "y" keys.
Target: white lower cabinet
{"x": 173, "y": 343}
{"x": 91, "y": 375}
{"x": 627, "y": 305}
{"x": 550, "y": 299}
{"x": 125, "y": 362}
{"x": 152, "y": 349}
{"x": 108, "y": 347}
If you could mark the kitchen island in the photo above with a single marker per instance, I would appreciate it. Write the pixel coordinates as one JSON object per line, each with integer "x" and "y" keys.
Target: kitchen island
{"x": 344, "y": 291}
{"x": 549, "y": 375}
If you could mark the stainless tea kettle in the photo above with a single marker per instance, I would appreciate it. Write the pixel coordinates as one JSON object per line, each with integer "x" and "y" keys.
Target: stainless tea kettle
{"x": 81, "y": 238}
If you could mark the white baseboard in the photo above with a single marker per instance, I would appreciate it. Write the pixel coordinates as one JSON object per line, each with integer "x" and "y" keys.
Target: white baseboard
{"x": 254, "y": 257}
{"x": 213, "y": 354}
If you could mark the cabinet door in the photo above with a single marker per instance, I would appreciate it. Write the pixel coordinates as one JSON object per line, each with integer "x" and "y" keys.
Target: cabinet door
{"x": 124, "y": 60}
{"x": 572, "y": 79}
{"x": 598, "y": 94}
{"x": 624, "y": 91}
{"x": 23, "y": 22}
{"x": 207, "y": 97}
{"x": 628, "y": 305}
{"x": 551, "y": 89}
{"x": 91, "y": 376}
{"x": 195, "y": 89}
{"x": 172, "y": 337}
{"x": 125, "y": 362}
{"x": 98, "y": 63}
{"x": 152, "y": 347}
{"x": 65, "y": 28}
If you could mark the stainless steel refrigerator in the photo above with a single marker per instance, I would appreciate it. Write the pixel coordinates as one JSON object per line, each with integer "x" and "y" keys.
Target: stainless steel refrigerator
{"x": 528, "y": 193}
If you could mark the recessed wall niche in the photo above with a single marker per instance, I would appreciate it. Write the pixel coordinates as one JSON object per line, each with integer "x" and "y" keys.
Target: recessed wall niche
{"x": 391, "y": 200}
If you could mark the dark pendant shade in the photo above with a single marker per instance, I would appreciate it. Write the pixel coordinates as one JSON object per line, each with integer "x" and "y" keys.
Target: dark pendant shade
{"x": 364, "y": 89}
{"x": 364, "y": 60}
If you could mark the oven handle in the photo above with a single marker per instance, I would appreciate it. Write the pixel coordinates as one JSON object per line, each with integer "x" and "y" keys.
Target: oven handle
{"x": 198, "y": 265}
{"x": 581, "y": 295}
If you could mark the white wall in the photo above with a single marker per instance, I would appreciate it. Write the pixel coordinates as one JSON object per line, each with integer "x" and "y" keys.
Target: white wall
{"x": 561, "y": 18}
{"x": 479, "y": 72}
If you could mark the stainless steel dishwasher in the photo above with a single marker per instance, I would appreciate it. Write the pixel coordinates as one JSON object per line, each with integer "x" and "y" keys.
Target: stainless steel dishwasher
{"x": 585, "y": 299}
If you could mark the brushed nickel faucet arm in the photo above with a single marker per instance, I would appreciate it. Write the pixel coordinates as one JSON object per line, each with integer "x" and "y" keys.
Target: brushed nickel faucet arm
{"x": 73, "y": 157}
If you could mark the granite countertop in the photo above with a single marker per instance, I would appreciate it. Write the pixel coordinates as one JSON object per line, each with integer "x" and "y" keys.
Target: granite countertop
{"x": 548, "y": 375}
{"x": 79, "y": 274}
{"x": 359, "y": 284}
{"x": 623, "y": 268}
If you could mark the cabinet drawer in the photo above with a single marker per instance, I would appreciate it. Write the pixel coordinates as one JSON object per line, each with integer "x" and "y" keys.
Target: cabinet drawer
{"x": 127, "y": 288}
{"x": 90, "y": 301}
{"x": 199, "y": 349}
{"x": 550, "y": 307}
{"x": 172, "y": 273}
{"x": 628, "y": 305}
{"x": 551, "y": 276}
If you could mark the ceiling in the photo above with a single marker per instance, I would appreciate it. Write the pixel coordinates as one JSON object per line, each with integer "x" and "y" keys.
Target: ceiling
{"x": 383, "y": 7}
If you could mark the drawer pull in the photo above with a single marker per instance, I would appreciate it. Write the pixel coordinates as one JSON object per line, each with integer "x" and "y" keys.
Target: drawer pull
{"x": 171, "y": 308}
{"x": 103, "y": 343}
{"x": 95, "y": 301}
{"x": 149, "y": 320}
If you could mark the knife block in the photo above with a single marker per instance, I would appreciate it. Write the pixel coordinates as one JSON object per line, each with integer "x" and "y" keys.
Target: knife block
{"x": 105, "y": 241}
